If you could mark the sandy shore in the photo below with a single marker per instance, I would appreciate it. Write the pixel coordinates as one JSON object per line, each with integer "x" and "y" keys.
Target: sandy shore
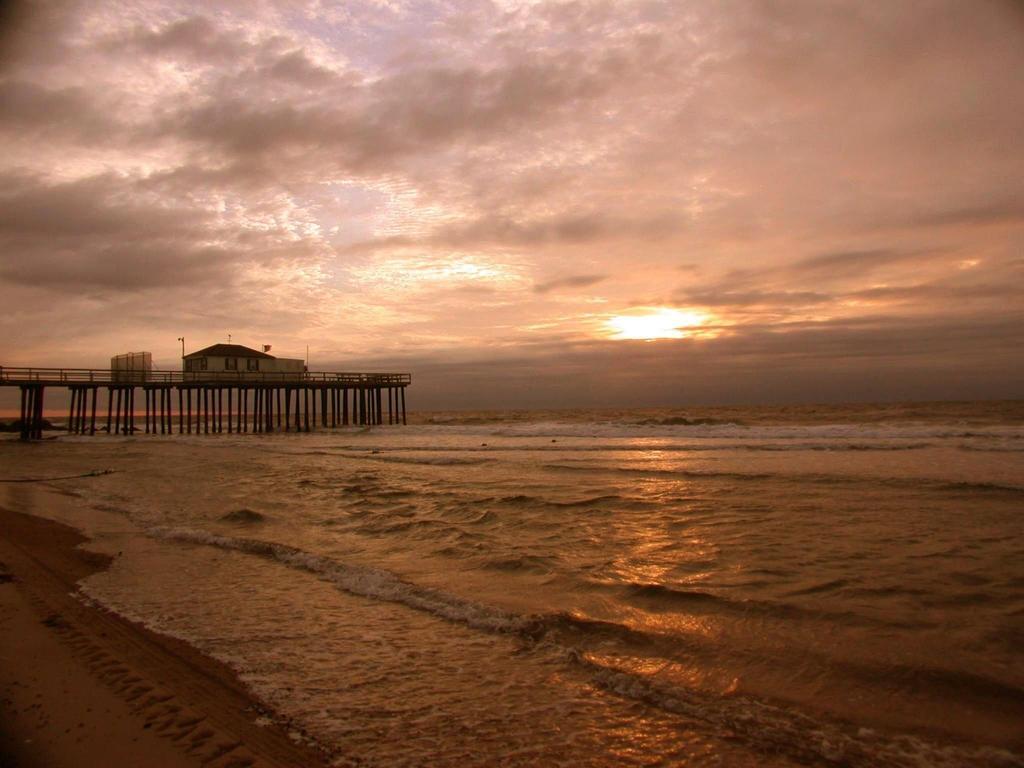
{"x": 81, "y": 686}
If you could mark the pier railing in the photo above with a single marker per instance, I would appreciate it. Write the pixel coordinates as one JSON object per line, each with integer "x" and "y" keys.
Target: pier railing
{"x": 105, "y": 376}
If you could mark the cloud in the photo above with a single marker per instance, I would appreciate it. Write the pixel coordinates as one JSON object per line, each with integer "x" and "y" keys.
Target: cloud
{"x": 429, "y": 177}
{"x": 570, "y": 281}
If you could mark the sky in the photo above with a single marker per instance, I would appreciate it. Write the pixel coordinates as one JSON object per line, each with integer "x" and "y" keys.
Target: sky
{"x": 525, "y": 203}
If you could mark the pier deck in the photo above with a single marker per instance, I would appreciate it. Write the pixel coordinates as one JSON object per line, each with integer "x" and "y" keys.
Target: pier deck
{"x": 345, "y": 398}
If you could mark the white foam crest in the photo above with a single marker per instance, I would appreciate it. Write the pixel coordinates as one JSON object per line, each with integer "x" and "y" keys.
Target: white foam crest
{"x": 359, "y": 580}
{"x": 753, "y": 432}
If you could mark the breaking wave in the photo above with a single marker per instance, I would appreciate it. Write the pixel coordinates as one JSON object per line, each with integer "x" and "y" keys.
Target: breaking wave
{"x": 769, "y": 727}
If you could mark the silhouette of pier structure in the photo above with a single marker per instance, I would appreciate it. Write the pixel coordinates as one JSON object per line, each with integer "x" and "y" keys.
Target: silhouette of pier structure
{"x": 256, "y": 401}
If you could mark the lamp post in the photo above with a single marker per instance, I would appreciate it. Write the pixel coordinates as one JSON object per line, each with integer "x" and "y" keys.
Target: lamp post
{"x": 182, "y": 340}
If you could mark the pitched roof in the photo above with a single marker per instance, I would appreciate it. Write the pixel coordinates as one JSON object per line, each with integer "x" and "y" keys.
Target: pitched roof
{"x": 229, "y": 350}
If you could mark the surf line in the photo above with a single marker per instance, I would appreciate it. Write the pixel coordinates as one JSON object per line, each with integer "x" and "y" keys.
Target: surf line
{"x": 94, "y": 473}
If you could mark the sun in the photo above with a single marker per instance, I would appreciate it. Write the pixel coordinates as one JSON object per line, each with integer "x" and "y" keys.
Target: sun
{"x": 649, "y": 323}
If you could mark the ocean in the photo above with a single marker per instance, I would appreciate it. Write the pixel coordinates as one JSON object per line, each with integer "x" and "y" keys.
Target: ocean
{"x": 770, "y": 586}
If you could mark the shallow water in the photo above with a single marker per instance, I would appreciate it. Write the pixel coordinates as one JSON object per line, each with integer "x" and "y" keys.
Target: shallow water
{"x": 822, "y": 585}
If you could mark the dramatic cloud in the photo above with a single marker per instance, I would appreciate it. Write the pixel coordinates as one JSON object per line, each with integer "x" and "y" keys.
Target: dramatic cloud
{"x": 480, "y": 190}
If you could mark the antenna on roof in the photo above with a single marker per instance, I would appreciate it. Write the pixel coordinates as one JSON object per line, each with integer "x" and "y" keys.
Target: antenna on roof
{"x": 229, "y": 338}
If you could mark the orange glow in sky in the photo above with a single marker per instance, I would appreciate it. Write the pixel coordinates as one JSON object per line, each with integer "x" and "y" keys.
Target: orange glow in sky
{"x": 655, "y": 323}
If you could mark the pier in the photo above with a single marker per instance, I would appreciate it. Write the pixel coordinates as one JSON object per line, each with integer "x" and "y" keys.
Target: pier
{"x": 237, "y": 402}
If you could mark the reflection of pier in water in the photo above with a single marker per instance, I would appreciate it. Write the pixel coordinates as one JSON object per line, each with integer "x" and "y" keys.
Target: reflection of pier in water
{"x": 280, "y": 401}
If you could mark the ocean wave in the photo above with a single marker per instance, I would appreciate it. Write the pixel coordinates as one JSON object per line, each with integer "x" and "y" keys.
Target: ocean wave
{"x": 683, "y": 421}
{"x": 771, "y": 728}
{"x": 662, "y": 597}
{"x": 437, "y": 461}
{"x": 817, "y": 478}
{"x": 992, "y": 448}
{"x": 243, "y": 515}
{"x": 359, "y": 580}
{"x": 700, "y": 429}
{"x": 522, "y": 499}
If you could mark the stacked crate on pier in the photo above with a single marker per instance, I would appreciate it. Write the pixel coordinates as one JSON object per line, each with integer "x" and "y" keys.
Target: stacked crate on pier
{"x": 131, "y": 367}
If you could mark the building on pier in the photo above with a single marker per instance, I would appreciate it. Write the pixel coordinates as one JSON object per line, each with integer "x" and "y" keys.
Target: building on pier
{"x": 222, "y": 358}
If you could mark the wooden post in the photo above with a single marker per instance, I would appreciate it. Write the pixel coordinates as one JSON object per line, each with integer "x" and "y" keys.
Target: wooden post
{"x": 188, "y": 410}
{"x": 30, "y": 412}
{"x": 80, "y": 411}
{"x": 83, "y": 424}
{"x": 305, "y": 415}
{"x": 39, "y": 410}
{"x": 323, "y": 407}
{"x": 181, "y": 420}
{"x": 298, "y": 420}
{"x": 277, "y": 396}
{"x": 403, "y": 405}
{"x": 312, "y": 398}
{"x": 129, "y": 415}
{"x": 24, "y": 414}
{"x": 84, "y": 396}
{"x": 287, "y": 408}
{"x": 37, "y": 413}
{"x": 71, "y": 410}
{"x": 243, "y": 395}
{"x": 92, "y": 423}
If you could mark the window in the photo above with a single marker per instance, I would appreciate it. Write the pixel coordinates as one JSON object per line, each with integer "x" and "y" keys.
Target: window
{"x": 230, "y": 363}
{"x": 253, "y": 364}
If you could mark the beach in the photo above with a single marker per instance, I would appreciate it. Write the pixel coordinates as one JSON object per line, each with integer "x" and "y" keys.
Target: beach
{"x": 836, "y": 585}
{"x": 82, "y": 686}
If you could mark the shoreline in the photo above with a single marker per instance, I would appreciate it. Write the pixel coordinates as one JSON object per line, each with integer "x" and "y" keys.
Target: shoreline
{"x": 81, "y": 685}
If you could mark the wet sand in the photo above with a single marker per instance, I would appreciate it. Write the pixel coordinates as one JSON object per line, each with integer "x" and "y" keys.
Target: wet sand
{"x": 82, "y": 686}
